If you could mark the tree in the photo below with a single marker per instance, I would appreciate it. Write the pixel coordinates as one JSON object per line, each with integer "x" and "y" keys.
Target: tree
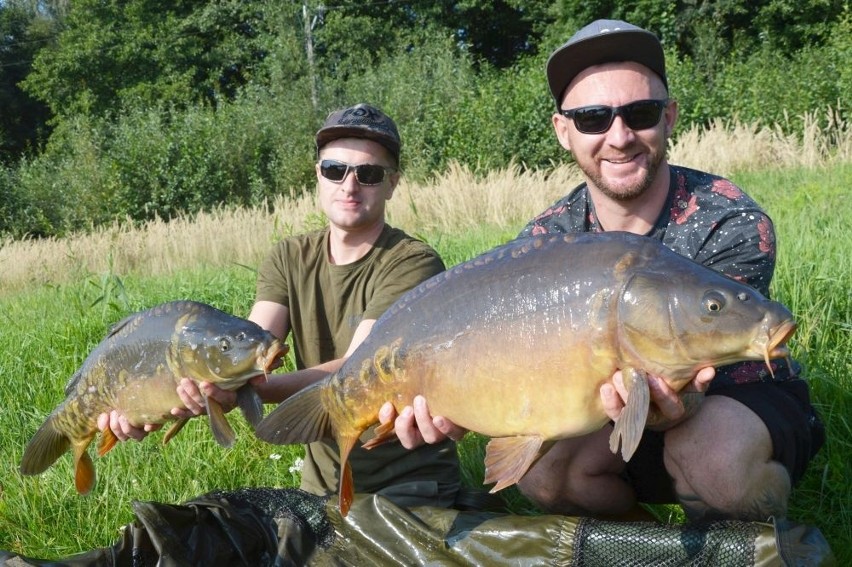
{"x": 24, "y": 28}
{"x": 112, "y": 54}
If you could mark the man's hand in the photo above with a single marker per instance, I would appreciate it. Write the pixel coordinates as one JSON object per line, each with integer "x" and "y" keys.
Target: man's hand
{"x": 415, "y": 426}
{"x": 121, "y": 427}
{"x": 193, "y": 394}
{"x": 190, "y": 393}
{"x": 668, "y": 407}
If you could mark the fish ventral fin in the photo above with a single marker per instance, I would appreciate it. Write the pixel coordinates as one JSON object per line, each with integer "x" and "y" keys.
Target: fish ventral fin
{"x": 44, "y": 448}
{"x": 222, "y": 432}
{"x": 174, "y": 429}
{"x": 250, "y": 404}
{"x": 106, "y": 442}
{"x": 301, "y": 418}
{"x": 507, "y": 459}
{"x": 630, "y": 424}
{"x": 383, "y": 433}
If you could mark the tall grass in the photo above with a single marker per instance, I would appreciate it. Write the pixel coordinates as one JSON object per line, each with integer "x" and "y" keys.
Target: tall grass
{"x": 58, "y": 297}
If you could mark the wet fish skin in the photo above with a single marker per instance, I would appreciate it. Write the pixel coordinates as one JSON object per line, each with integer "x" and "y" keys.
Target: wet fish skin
{"x": 136, "y": 369}
{"x": 516, "y": 343}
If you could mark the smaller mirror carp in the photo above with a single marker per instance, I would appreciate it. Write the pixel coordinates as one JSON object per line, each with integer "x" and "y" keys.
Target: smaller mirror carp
{"x": 136, "y": 369}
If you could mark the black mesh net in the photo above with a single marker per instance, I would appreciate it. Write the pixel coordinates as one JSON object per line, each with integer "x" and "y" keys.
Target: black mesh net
{"x": 611, "y": 544}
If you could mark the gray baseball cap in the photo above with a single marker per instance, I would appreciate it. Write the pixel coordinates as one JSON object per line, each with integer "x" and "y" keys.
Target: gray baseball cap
{"x": 361, "y": 121}
{"x": 603, "y": 41}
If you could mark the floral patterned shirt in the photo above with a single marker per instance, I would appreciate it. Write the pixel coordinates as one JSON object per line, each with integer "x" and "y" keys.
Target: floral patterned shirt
{"x": 706, "y": 218}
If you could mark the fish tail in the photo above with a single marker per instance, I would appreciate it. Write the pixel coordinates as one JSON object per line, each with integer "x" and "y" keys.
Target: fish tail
{"x": 47, "y": 445}
{"x": 301, "y": 418}
{"x": 84, "y": 469}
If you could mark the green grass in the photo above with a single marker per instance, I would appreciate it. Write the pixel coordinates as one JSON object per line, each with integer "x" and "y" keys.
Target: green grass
{"x": 46, "y": 332}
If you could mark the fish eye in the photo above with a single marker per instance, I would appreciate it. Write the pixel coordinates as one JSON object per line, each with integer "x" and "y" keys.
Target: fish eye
{"x": 714, "y": 302}
{"x": 224, "y": 345}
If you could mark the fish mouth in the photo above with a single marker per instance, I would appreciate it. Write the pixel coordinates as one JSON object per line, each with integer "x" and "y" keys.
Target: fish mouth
{"x": 273, "y": 357}
{"x": 776, "y": 344}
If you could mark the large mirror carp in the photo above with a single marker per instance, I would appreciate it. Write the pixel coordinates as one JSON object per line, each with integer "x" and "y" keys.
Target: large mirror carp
{"x": 516, "y": 343}
{"x": 136, "y": 369}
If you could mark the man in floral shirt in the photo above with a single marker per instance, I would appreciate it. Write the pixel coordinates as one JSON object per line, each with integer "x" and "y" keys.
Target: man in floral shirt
{"x": 734, "y": 443}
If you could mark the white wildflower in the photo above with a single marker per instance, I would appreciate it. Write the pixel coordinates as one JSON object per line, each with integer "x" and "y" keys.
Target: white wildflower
{"x": 297, "y": 465}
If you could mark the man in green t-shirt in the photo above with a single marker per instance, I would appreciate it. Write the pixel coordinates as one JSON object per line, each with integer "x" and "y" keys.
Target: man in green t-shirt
{"x": 328, "y": 288}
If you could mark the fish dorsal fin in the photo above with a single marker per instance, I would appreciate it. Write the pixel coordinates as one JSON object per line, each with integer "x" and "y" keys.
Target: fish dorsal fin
{"x": 301, "y": 418}
{"x": 508, "y": 458}
{"x": 222, "y": 432}
{"x": 630, "y": 424}
{"x": 250, "y": 404}
{"x": 174, "y": 429}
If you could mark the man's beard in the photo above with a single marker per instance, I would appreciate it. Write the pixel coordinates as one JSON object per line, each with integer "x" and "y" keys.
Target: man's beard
{"x": 625, "y": 194}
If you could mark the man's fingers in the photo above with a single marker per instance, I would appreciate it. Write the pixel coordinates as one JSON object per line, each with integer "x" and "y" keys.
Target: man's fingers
{"x": 191, "y": 396}
{"x": 612, "y": 402}
{"x": 406, "y": 429}
{"x": 428, "y": 431}
{"x": 387, "y": 413}
{"x": 448, "y": 428}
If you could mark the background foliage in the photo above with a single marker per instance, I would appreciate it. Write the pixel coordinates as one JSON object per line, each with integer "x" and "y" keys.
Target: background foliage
{"x": 139, "y": 109}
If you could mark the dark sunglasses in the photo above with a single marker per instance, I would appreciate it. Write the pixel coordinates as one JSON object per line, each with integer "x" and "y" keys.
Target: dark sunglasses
{"x": 365, "y": 174}
{"x": 639, "y": 115}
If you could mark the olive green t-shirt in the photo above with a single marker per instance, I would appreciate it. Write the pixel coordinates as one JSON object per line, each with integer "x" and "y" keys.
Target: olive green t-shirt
{"x": 326, "y": 304}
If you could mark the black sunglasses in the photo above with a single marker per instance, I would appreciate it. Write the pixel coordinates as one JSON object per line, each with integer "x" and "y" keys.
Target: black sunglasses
{"x": 365, "y": 174}
{"x": 639, "y": 115}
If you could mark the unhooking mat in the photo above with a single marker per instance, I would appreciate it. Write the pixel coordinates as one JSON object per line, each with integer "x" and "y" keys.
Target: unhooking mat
{"x": 289, "y": 527}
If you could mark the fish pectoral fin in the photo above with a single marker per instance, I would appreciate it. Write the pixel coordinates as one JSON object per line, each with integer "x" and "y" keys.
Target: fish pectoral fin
{"x": 507, "y": 459}
{"x": 106, "y": 442}
{"x": 301, "y": 418}
{"x": 249, "y": 403}
{"x": 347, "y": 484}
{"x": 630, "y": 424}
{"x": 84, "y": 469}
{"x": 44, "y": 448}
{"x": 222, "y": 432}
{"x": 385, "y": 432}
{"x": 174, "y": 429}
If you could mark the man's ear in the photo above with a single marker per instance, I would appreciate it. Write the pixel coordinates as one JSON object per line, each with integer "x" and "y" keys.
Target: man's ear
{"x": 562, "y": 125}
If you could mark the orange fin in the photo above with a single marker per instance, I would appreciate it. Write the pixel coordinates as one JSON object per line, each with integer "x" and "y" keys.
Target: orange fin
{"x": 384, "y": 433}
{"x": 44, "y": 448}
{"x": 630, "y": 424}
{"x": 84, "y": 469}
{"x": 174, "y": 429}
{"x": 301, "y": 418}
{"x": 107, "y": 442}
{"x": 508, "y": 458}
{"x": 222, "y": 432}
{"x": 347, "y": 485}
